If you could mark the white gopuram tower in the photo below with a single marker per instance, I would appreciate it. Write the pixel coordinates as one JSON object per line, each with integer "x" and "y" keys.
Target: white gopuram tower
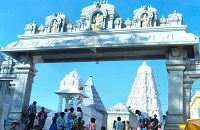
{"x": 71, "y": 89}
{"x": 144, "y": 93}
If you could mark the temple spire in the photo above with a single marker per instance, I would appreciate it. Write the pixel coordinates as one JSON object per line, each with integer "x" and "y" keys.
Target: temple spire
{"x": 144, "y": 93}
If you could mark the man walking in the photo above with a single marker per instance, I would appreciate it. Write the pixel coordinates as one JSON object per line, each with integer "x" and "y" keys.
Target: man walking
{"x": 42, "y": 118}
{"x": 32, "y": 115}
{"x": 118, "y": 125}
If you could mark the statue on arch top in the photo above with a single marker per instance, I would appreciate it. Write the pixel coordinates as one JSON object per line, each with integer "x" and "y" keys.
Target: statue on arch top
{"x": 145, "y": 20}
{"x": 6, "y": 67}
{"x": 97, "y": 20}
{"x": 54, "y": 26}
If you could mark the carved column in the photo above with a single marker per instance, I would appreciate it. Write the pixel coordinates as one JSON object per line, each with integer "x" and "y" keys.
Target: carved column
{"x": 175, "y": 93}
{"x": 187, "y": 95}
{"x": 67, "y": 103}
{"x": 82, "y": 23}
{"x": 191, "y": 74}
{"x": 104, "y": 23}
{"x": 175, "y": 68}
{"x": 60, "y": 103}
{"x": 22, "y": 86}
{"x": 111, "y": 22}
{"x": 75, "y": 103}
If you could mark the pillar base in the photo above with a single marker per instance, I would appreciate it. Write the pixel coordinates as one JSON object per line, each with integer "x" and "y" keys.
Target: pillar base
{"x": 13, "y": 117}
{"x": 176, "y": 119}
{"x": 8, "y": 124}
{"x": 172, "y": 127}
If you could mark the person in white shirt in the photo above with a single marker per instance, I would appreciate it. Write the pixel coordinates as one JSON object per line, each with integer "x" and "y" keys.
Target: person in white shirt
{"x": 61, "y": 121}
{"x": 21, "y": 123}
{"x": 79, "y": 113}
{"x": 118, "y": 125}
{"x": 66, "y": 115}
{"x": 163, "y": 122}
{"x": 143, "y": 117}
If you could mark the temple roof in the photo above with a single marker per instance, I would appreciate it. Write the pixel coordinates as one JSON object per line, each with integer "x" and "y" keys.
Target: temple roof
{"x": 72, "y": 83}
{"x": 120, "y": 107}
{"x": 94, "y": 99}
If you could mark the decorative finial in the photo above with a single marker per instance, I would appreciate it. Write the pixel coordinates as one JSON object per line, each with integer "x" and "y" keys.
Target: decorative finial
{"x": 104, "y": 2}
{"x": 107, "y": 2}
{"x": 55, "y": 14}
{"x": 34, "y": 22}
{"x": 98, "y": 5}
{"x": 175, "y": 11}
{"x": 101, "y": 2}
{"x": 144, "y": 63}
{"x": 94, "y": 3}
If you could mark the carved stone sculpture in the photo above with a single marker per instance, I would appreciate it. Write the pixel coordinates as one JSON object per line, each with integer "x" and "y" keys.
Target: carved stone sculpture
{"x": 98, "y": 19}
{"x": 6, "y": 66}
{"x": 54, "y": 27}
{"x": 145, "y": 20}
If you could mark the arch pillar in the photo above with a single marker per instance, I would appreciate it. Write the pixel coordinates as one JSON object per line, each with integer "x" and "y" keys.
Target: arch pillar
{"x": 191, "y": 74}
{"x": 21, "y": 86}
{"x": 186, "y": 95}
{"x": 175, "y": 67}
{"x": 175, "y": 93}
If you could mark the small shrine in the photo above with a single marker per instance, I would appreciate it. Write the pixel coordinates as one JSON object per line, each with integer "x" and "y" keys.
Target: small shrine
{"x": 76, "y": 93}
{"x": 71, "y": 89}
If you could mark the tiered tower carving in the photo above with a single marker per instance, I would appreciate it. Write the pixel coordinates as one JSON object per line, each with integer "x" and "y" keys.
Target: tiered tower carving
{"x": 144, "y": 93}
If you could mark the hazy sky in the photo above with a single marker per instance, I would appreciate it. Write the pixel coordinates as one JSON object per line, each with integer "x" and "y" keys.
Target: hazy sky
{"x": 113, "y": 80}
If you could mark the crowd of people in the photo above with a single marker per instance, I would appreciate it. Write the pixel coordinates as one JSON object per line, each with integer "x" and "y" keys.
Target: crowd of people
{"x": 26, "y": 121}
{"x": 144, "y": 122}
{"x": 147, "y": 123}
{"x": 120, "y": 125}
{"x": 68, "y": 120}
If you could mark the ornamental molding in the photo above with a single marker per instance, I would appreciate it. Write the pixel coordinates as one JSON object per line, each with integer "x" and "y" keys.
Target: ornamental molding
{"x": 91, "y": 41}
{"x": 118, "y": 39}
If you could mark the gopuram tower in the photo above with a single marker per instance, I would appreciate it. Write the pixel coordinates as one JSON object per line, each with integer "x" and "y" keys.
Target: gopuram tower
{"x": 144, "y": 93}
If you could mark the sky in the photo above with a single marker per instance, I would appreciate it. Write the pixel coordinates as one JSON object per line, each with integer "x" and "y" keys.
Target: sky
{"x": 113, "y": 80}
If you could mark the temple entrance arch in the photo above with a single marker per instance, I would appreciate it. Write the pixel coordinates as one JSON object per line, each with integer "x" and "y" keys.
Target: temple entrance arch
{"x": 110, "y": 39}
